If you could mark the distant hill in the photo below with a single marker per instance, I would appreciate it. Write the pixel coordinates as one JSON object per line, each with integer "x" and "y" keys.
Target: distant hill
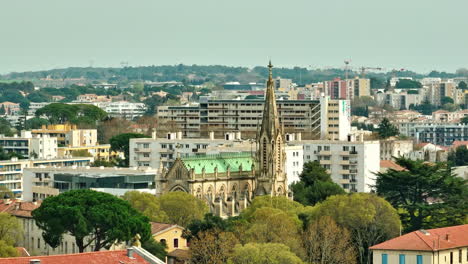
{"x": 197, "y": 74}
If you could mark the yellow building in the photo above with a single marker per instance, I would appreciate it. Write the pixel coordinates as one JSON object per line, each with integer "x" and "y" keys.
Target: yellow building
{"x": 169, "y": 234}
{"x": 433, "y": 246}
{"x": 59, "y": 131}
{"x": 98, "y": 152}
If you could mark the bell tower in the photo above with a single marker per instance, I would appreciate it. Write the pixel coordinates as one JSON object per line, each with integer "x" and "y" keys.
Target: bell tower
{"x": 271, "y": 156}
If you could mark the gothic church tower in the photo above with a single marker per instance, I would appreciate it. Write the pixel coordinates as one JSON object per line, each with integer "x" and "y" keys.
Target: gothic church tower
{"x": 271, "y": 156}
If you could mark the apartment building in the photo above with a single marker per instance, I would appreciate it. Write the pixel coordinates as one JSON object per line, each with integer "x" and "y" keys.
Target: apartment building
{"x": 443, "y": 134}
{"x": 222, "y": 116}
{"x": 335, "y": 119}
{"x": 38, "y": 147}
{"x": 283, "y": 85}
{"x": 351, "y": 164}
{"x": 123, "y": 109}
{"x": 11, "y": 171}
{"x": 446, "y": 116}
{"x": 10, "y": 108}
{"x": 42, "y": 182}
{"x": 347, "y": 89}
{"x": 399, "y": 100}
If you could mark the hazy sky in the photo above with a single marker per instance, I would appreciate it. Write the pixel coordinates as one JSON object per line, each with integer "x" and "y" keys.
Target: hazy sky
{"x": 416, "y": 34}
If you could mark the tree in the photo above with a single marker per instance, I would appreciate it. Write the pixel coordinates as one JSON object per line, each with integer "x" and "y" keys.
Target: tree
{"x": 315, "y": 185}
{"x": 277, "y": 202}
{"x": 5, "y": 128}
{"x": 426, "y": 108}
{"x": 369, "y": 218}
{"x": 122, "y": 143}
{"x": 212, "y": 247}
{"x": 155, "y": 248}
{"x": 7, "y": 250}
{"x": 80, "y": 114}
{"x": 263, "y": 253}
{"x": 406, "y": 83}
{"x": 81, "y": 153}
{"x": 112, "y": 127}
{"x": 450, "y": 107}
{"x": 93, "y": 218}
{"x": 426, "y": 195}
{"x": 462, "y": 85}
{"x": 387, "y": 129}
{"x": 148, "y": 205}
{"x": 327, "y": 243}
{"x": 35, "y": 123}
{"x": 446, "y": 100}
{"x": 271, "y": 225}
{"x": 464, "y": 120}
{"x": 2, "y": 110}
{"x": 182, "y": 208}
{"x": 458, "y": 157}
{"x": 209, "y": 222}
{"x": 11, "y": 229}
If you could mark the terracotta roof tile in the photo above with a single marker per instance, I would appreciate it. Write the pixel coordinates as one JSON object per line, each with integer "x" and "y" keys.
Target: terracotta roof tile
{"x": 158, "y": 227}
{"x": 428, "y": 240}
{"x": 101, "y": 257}
{"x": 389, "y": 164}
{"x": 18, "y": 208}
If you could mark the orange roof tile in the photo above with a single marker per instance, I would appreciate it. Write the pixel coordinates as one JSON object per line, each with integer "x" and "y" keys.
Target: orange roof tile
{"x": 389, "y": 164}
{"x": 158, "y": 227}
{"x": 18, "y": 208}
{"x": 428, "y": 240}
{"x": 100, "y": 257}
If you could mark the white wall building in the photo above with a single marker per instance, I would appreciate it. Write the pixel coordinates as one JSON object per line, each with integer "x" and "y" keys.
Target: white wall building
{"x": 335, "y": 120}
{"x": 44, "y": 147}
{"x": 352, "y": 164}
{"x": 294, "y": 162}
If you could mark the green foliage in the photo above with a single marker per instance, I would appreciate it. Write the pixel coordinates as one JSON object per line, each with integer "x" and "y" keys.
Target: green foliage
{"x": 315, "y": 185}
{"x": 155, "y": 248}
{"x": 464, "y": 120}
{"x": 121, "y": 143}
{"x": 5, "y": 192}
{"x": 5, "y": 127}
{"x": 369, "y": 218}
{"x": 426, "y": 195}
{"x": 387, "y": 129}
{"x": 2, "y": 110}
{"x": 182, "y": 208}
{"x": 148, "y": 205}
{"x": 450, "y": 107}
{"x": 38, "y": 97}
{"x": 80, "y": 114}
{"x": 407, "y": 84}
{"x": 458, "y": 157}
{"x": 8, "y": 155}
{"x": 360, "y": 105}
{"x": 363, "y": 126}
{"x": 104, "y": 163}
{"x": 212, "y": 247}
{"x": 209, "y": 222}
{"x": 35, "y": 123}
{"x": 11, "y": 229}
{"x": 7, "y": 250}
{"x": 263, "y": 253}
{"x": 462, "y": 85}
{"x": 446, "y": 100}
{"x": 277, "y": 202}
{"x": 91, "y": 217}
{"x": 426, "y": 108}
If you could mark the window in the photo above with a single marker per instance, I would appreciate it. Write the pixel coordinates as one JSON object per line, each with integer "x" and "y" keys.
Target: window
{"x": 176, "y": 242}
{"x": 402, "y": 259}
{"x": 460, "y": 256}
{"x": 163, "y": 241}
{"x": 451, "y": 257}
{"x": 384, "y": 259}
{"x": 419, "y": 259}
{"x": 38, "y": 243}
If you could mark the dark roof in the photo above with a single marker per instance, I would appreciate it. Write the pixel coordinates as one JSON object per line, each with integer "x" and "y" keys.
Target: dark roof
{"x": 180, "y": 254}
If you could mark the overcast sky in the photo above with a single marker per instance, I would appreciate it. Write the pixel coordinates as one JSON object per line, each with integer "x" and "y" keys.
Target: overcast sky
{"x": 415, "y": 34}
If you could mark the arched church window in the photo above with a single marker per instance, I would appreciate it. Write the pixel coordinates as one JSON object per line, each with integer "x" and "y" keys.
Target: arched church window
{"x": 178, "y": 174}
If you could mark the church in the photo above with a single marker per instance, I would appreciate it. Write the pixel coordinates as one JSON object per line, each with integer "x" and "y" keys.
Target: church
{"x": 229, "y": 181}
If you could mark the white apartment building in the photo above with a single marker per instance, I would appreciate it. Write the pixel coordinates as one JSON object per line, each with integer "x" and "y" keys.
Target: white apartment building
{"x": 11, "y": 171}
{"x": 44, "y": 147}
{"x": 335, "y": 121}
{"x": 399, "y": 100}
{"x": 294, "y": 162}
{"x": 123, "y": 109}
{"x": 351, "y": 164}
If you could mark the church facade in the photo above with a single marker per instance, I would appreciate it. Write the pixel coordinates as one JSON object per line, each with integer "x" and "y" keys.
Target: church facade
{"x": 228, "y": 182}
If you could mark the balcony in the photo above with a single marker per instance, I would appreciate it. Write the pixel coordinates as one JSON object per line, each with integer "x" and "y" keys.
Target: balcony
{"x": 344, "y": 162}
{"x": 144, "y": 159}
{"x": 344, "y": 172}
{"x": 325, "y": 161}
{"x": 144, "y": 150}
{"x": 324, "y": 153}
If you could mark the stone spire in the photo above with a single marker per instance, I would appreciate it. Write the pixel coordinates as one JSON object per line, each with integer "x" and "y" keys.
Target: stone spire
{"x": 270, "y": 122}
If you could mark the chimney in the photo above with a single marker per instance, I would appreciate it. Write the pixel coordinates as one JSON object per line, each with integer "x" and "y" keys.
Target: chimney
{"x": 447, "y": 237}
{"x": 35, "y": 261}
{"x": 130, "y": 252}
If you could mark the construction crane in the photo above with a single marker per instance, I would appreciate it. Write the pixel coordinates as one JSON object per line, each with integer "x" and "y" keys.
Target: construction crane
{"x": 364, "y": 69}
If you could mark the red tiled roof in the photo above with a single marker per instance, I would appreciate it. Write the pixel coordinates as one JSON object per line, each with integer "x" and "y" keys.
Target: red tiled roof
{"x": 18, "y": 208}
{"x": 458, "y": 143}
{"x": 389, "y": 164}
{"x": 100, "y": 257}
{"x": 158, "y": 227}
{"x": 428, "y": 240}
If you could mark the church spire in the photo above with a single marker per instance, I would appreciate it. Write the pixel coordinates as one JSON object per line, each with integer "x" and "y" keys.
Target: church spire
{"x": 270, "y": 122}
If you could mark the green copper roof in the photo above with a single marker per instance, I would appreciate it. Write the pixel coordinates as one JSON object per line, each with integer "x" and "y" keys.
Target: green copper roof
{"x": 222, "y": 161}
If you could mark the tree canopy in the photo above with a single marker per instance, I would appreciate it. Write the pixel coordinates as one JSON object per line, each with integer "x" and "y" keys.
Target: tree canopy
{"x": 93, "y": 218}
{"x": 182, "y": 208}
{"x": 426, "y": 195}
{"x": 406, "y": 84}
{"x": 387, "y": 129}
{"x": 369, "y": 218}
{"x": 148, "y": 204}
{"x": 458, "y": 157}
{"x": 80, "y": 114}
{"x": 11, "y": 229}
{"x": 263, "y": 253}
{"x": 315, "y": 185}
{"x": 121, "y": 143}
